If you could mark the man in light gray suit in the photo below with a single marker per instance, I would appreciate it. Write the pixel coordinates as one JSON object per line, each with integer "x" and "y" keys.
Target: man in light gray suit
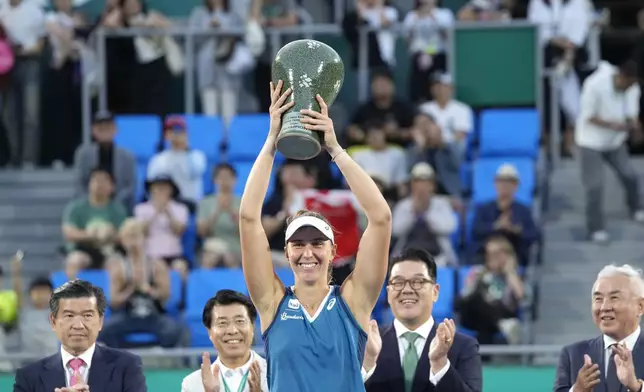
{"x": 614, "y": 361}
{"x": 229, "y": 317}
{"x": 103, "y": 153}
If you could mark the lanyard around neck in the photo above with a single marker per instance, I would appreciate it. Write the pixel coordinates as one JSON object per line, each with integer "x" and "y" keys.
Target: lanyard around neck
{"x": 242, "y": 384}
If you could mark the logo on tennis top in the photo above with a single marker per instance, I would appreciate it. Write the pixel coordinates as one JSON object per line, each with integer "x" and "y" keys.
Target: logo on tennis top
{"x": 286, "y": 316}
{"x": 331, "y": 303}
{"x": 293, "y": 303}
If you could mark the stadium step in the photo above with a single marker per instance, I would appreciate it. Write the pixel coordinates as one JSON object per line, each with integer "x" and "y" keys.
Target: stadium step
{"x": 31, "y": 207}
{"x": 571, "y": 263}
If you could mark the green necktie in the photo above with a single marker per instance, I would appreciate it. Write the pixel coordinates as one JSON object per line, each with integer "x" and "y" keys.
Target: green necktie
{"x": 410, "y": 359}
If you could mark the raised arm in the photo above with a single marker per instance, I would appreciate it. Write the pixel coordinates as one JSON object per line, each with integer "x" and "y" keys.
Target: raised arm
{"x": 264, "y": 287}
{"x": 362, "y": 289}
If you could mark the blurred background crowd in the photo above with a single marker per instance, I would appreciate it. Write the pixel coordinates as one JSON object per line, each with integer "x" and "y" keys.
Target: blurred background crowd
{"x": 129, "y": 128}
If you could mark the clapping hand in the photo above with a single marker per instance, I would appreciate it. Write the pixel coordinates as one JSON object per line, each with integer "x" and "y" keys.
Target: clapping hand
{"x": 209, "y": 374}
{"x": 440, "y": 345}
{"x": 255, "y": 378}
{"x": 625, "y": 368}
{"x": 587, "y": 377}
{"x": 374, "y": 345}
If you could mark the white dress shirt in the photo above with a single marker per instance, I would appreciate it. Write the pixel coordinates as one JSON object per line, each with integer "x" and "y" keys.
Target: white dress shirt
{"x": 84, "y": 370}
{"x": 423, "y": 331}
{"x": 629, "y": 341}
{"x": 193, "y": 383}
{"x": 600, "y": 99}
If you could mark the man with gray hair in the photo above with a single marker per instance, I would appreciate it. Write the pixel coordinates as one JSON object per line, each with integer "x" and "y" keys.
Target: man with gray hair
{"x": 616, "y": 358}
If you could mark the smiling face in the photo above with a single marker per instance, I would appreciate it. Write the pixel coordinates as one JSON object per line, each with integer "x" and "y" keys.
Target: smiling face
{"x": 310, "y": 253}
{"x": 231, "y": 331}
{"x": 616, "y": 307}
{"x": 411, "y": 293}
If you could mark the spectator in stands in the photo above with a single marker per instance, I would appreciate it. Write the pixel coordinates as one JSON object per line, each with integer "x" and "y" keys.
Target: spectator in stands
{"x": 486, "y": 10}
{"x": 36, "y": 335}
{"x": 164, "y": 221}
{"x": 609, "y": 114}
{"x": 378, "y": 15}
{"x": 276, "y": 14}
{"x": 492, "y": 294}
{"x": 425, "y": 220}
{"x": 397, "y": 114}
{"x": 62, "y": 125}
{"x": 230, "y": 318}
{"x": 506, "y": 216}
{"x": 429, "y": 147}
{"x": 218, "y": 218}
{"x": 155, "y": 60}
{"x": 388, "y": 161}
{"x": 139, "y": 287}
{"x": 104, "y": 153}
{"x": 419, "y": 353}
{"x": 24, "y": 23}
{"x": 90, "y": 223}
{"x": 563, "y": 33}
{"x": 426, "y": 30}
{"x": 221, "y": 61}
{"x": 454, "y": 117}
{"x": 292, "y": 176}
{"x": 185, "y": 166}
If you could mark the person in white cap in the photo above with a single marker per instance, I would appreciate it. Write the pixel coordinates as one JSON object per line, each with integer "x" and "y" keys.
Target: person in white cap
{"x": 425, "y": 220}
{"x": 505, "y": 215}
{"x": 315, "y": 333}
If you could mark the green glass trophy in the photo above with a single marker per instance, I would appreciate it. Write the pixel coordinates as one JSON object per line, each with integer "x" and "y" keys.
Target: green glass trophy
{"x": 309, "y": 67}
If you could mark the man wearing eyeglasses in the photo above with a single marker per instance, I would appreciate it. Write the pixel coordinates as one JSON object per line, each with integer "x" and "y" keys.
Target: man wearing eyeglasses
{"x": 419, "y": 355}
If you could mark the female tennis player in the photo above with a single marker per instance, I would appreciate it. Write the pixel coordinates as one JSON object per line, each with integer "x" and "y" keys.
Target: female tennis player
{"x": 314, "y": 333}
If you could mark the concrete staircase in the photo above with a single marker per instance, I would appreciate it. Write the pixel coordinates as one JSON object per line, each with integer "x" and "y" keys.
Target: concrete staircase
{"x": 570, "y": 263}
{"x": 31, "y": 207}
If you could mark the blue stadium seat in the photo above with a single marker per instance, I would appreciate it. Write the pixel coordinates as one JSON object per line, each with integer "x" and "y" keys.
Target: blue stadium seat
{"x": 457, "y": 236}
{"x": 466, "y": 177}
{"x": 141, "y": 175}
{"x": 246, "y": 136}
{"x": 444, "y": 307}
{"x": 484, "y": 172}
{"x": 206, "y": 133}
{"x": 176, "y": 291}
{"x": 469, "y": 225}
{"x": 509, "y": 132}
{"x": 203, "y": 284}
{"x": 139, "y": 134}
{"x": 243, "y": 170}
{"x": 58, "y": 278}
{"x": 286, "y": 276}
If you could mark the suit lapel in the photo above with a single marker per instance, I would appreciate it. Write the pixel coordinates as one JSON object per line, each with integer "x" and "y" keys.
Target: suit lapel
{"x": 53, "y": 375}
{"x": 391, "y": 361}
{"x": 597, "y": 356}
{"x": 421, "y": 375}
{"x": 100, "y": 371}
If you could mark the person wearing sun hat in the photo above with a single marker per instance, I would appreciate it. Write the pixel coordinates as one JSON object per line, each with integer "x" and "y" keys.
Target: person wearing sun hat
{"x": 425, "y": 220}
{"x": 505, "y": 215}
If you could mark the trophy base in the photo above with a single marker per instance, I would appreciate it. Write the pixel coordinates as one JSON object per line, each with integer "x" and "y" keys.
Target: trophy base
{"x": 296, "y": 142}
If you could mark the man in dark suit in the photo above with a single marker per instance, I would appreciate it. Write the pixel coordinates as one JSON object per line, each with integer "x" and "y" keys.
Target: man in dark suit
{"x": 614, "y": 361}
{"x": 418, "y": 355}
{"x": 76, "y": 315}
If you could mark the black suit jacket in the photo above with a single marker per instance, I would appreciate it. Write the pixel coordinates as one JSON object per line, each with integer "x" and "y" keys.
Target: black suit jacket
{"x": 111, "y": 371}
{"x": 571, "y": 360}
{"x": 465, "y": 373}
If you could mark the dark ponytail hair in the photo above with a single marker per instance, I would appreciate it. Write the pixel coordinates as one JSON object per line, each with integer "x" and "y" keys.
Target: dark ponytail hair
{"x": 314, "y": 214}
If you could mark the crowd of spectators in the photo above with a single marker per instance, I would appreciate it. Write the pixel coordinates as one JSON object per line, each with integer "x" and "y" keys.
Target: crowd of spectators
{"x": 413, "y": 147}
